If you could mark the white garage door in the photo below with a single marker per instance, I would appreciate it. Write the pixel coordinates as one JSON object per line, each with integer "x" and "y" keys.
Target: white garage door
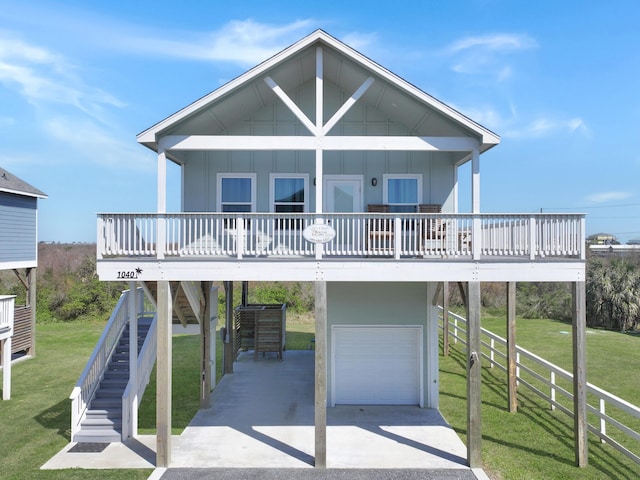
{"x": 377, "y": 365}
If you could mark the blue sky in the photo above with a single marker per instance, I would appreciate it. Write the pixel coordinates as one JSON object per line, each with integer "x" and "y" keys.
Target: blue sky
{"x": 558, "y": 81}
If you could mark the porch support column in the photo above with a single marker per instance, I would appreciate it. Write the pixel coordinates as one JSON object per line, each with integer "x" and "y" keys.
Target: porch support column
{"x": 580, "y": 374}
{"x": 205, "y": 345}
{"x": 245, "y": 293}
{"x": 475, "y": 203}
{"x": 474, "y": 378}
{"x": 319, "y": 121}
{"x": 511, "y": 348}
{"x": 161, "y": 203}
{"x": 6, "y": 368}
{"x": 132, "y": 428}
{"x": 228, "y": 329}
{"x": 31, "y": 302}
{"x": 445, "y": 318}
{"x": 321, "y": 375}
{"x": 163, "y": 364}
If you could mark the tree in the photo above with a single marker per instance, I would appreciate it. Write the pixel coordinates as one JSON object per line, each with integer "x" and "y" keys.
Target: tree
{"x": 613, "y": 293}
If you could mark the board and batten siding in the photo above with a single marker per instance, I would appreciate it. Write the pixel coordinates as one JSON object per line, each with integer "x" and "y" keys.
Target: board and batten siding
{"x": 201, "y": 167}
{"x": 388, "y": 304}
{"x": 18, "y": 231}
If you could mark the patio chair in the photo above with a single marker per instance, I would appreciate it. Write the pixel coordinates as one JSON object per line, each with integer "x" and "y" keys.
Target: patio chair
{"x": 433, "y": 231}
{"x": 380, "y": 231}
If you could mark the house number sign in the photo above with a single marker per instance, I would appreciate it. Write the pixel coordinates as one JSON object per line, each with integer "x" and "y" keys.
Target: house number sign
{"x": 319, "y": 233}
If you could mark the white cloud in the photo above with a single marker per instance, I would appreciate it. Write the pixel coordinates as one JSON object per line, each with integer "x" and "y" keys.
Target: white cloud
{"x": 41, "y": 76}
{"x": 511, "y": 125}
{"x": 245, "y": 42}
{"x": 500, "y": 42}
{"x": 544, "y": 126}
{"x": 485, "y": 55}
{"x": 604, "y": 197}
{"x": 97, "y": 145}
{"x": 7, "y": 122}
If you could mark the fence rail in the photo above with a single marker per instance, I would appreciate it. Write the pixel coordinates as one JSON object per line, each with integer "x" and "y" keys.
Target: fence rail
{"x": 547, "y": 381}
{"x": 533, "y": 236}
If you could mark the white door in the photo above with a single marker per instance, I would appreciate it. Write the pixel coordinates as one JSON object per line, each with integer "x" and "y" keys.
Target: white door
{"x": 343, "y": 194}
{"x": 377, "y": 365}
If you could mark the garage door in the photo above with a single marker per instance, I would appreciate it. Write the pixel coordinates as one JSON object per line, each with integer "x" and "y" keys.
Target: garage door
{"x": 376, "y": 365}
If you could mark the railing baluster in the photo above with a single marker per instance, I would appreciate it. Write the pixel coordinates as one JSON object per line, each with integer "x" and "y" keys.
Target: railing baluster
{"x": 216, "y": 234}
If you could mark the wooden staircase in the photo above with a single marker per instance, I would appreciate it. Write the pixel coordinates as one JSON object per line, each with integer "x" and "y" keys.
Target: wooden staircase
{"x": 103, "y": 422}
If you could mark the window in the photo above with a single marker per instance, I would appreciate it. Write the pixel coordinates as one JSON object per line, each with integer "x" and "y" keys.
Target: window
{"x": 236, "y": 192}
{"x": 402, "y": 193}
{"x": 289, "y": 194}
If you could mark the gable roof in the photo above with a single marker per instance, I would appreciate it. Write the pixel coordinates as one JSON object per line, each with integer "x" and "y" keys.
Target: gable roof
{"x": 343, "y": 66}
{"x": 11, "y": 184}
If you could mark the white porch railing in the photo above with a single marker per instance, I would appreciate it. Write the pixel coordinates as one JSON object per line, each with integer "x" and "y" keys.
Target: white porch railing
{"x": 146, "y": 361}
{"x": 541, "y": 376}
{"x": 532, "y": 236}
{"x": 7, "y": 307}
{"x": 94, "y": 370}
{"x": 6, "y": 315}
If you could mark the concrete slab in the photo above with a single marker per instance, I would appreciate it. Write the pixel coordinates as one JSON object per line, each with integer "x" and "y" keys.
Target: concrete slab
{"x": 135, "y": 453}
{"x": 262, "y": 418}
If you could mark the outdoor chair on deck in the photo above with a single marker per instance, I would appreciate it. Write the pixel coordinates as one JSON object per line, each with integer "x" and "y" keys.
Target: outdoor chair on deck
{"x": 433, "y": 231}
{"x": 380, "y": 231}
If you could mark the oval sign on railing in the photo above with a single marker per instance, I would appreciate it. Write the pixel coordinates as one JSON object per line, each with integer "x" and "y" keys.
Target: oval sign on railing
{"x": 319, "y": 233}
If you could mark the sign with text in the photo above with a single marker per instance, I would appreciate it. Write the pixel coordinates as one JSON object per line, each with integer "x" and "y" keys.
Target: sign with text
{"x": 319, "y": 233}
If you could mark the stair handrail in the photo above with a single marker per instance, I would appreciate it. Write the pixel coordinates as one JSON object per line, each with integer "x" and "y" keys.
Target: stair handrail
{"x": 146, "y": 361}
{"x": 93, "y": 372}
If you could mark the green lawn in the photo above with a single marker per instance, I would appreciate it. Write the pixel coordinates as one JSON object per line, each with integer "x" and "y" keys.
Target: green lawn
{"x": 35, "y": 423}
{"x": 535, "y": 443}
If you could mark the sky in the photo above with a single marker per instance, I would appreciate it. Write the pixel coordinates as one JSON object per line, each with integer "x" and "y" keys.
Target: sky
{"x": 558, "y": 81}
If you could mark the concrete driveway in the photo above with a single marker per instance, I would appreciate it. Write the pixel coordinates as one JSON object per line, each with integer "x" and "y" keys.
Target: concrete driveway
{"x": 261, "y": 419}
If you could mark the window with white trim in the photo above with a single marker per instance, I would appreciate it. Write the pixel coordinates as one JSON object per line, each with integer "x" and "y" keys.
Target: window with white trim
{"x": 236, "y": 192}
{"x": 289, "y": 193}
{"x": 402, "y": 193}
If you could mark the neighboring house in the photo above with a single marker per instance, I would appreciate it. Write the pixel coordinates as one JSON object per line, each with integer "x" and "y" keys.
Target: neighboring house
{"x": 19, "y": 251}
{"x": 615, "y": 250}
{"x": 320, "y": 165}
{"x": 602, "y": 239}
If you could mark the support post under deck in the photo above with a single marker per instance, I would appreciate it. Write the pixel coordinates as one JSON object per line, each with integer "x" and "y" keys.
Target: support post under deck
{"x": 580, "y": 374}
{"x": 321, "y": 375}
{"x": 474, "y": 378}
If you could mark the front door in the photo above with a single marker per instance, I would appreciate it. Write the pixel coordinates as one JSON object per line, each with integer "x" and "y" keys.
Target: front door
{"x": 343, "y": 194}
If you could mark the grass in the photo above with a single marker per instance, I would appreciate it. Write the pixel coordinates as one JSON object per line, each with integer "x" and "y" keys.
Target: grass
{"x": 35, "y": 423}
{"x": 535, "y": 443}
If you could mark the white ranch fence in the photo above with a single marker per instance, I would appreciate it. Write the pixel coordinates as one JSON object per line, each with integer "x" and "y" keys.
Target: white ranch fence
{"x": 356, "y": 234}
{"x": 547, "y": 381}
{"x": 94, "y": 370}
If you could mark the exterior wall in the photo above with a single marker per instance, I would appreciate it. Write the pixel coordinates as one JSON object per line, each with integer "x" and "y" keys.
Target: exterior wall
{"x": 18, "y": 231}
{"x": 373, "y": 303}
{"x": 201, "y": 168}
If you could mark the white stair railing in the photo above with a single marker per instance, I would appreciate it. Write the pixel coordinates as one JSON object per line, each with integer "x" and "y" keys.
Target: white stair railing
{"x": 146, "y": 361}
{"x": 93, "y": 372}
